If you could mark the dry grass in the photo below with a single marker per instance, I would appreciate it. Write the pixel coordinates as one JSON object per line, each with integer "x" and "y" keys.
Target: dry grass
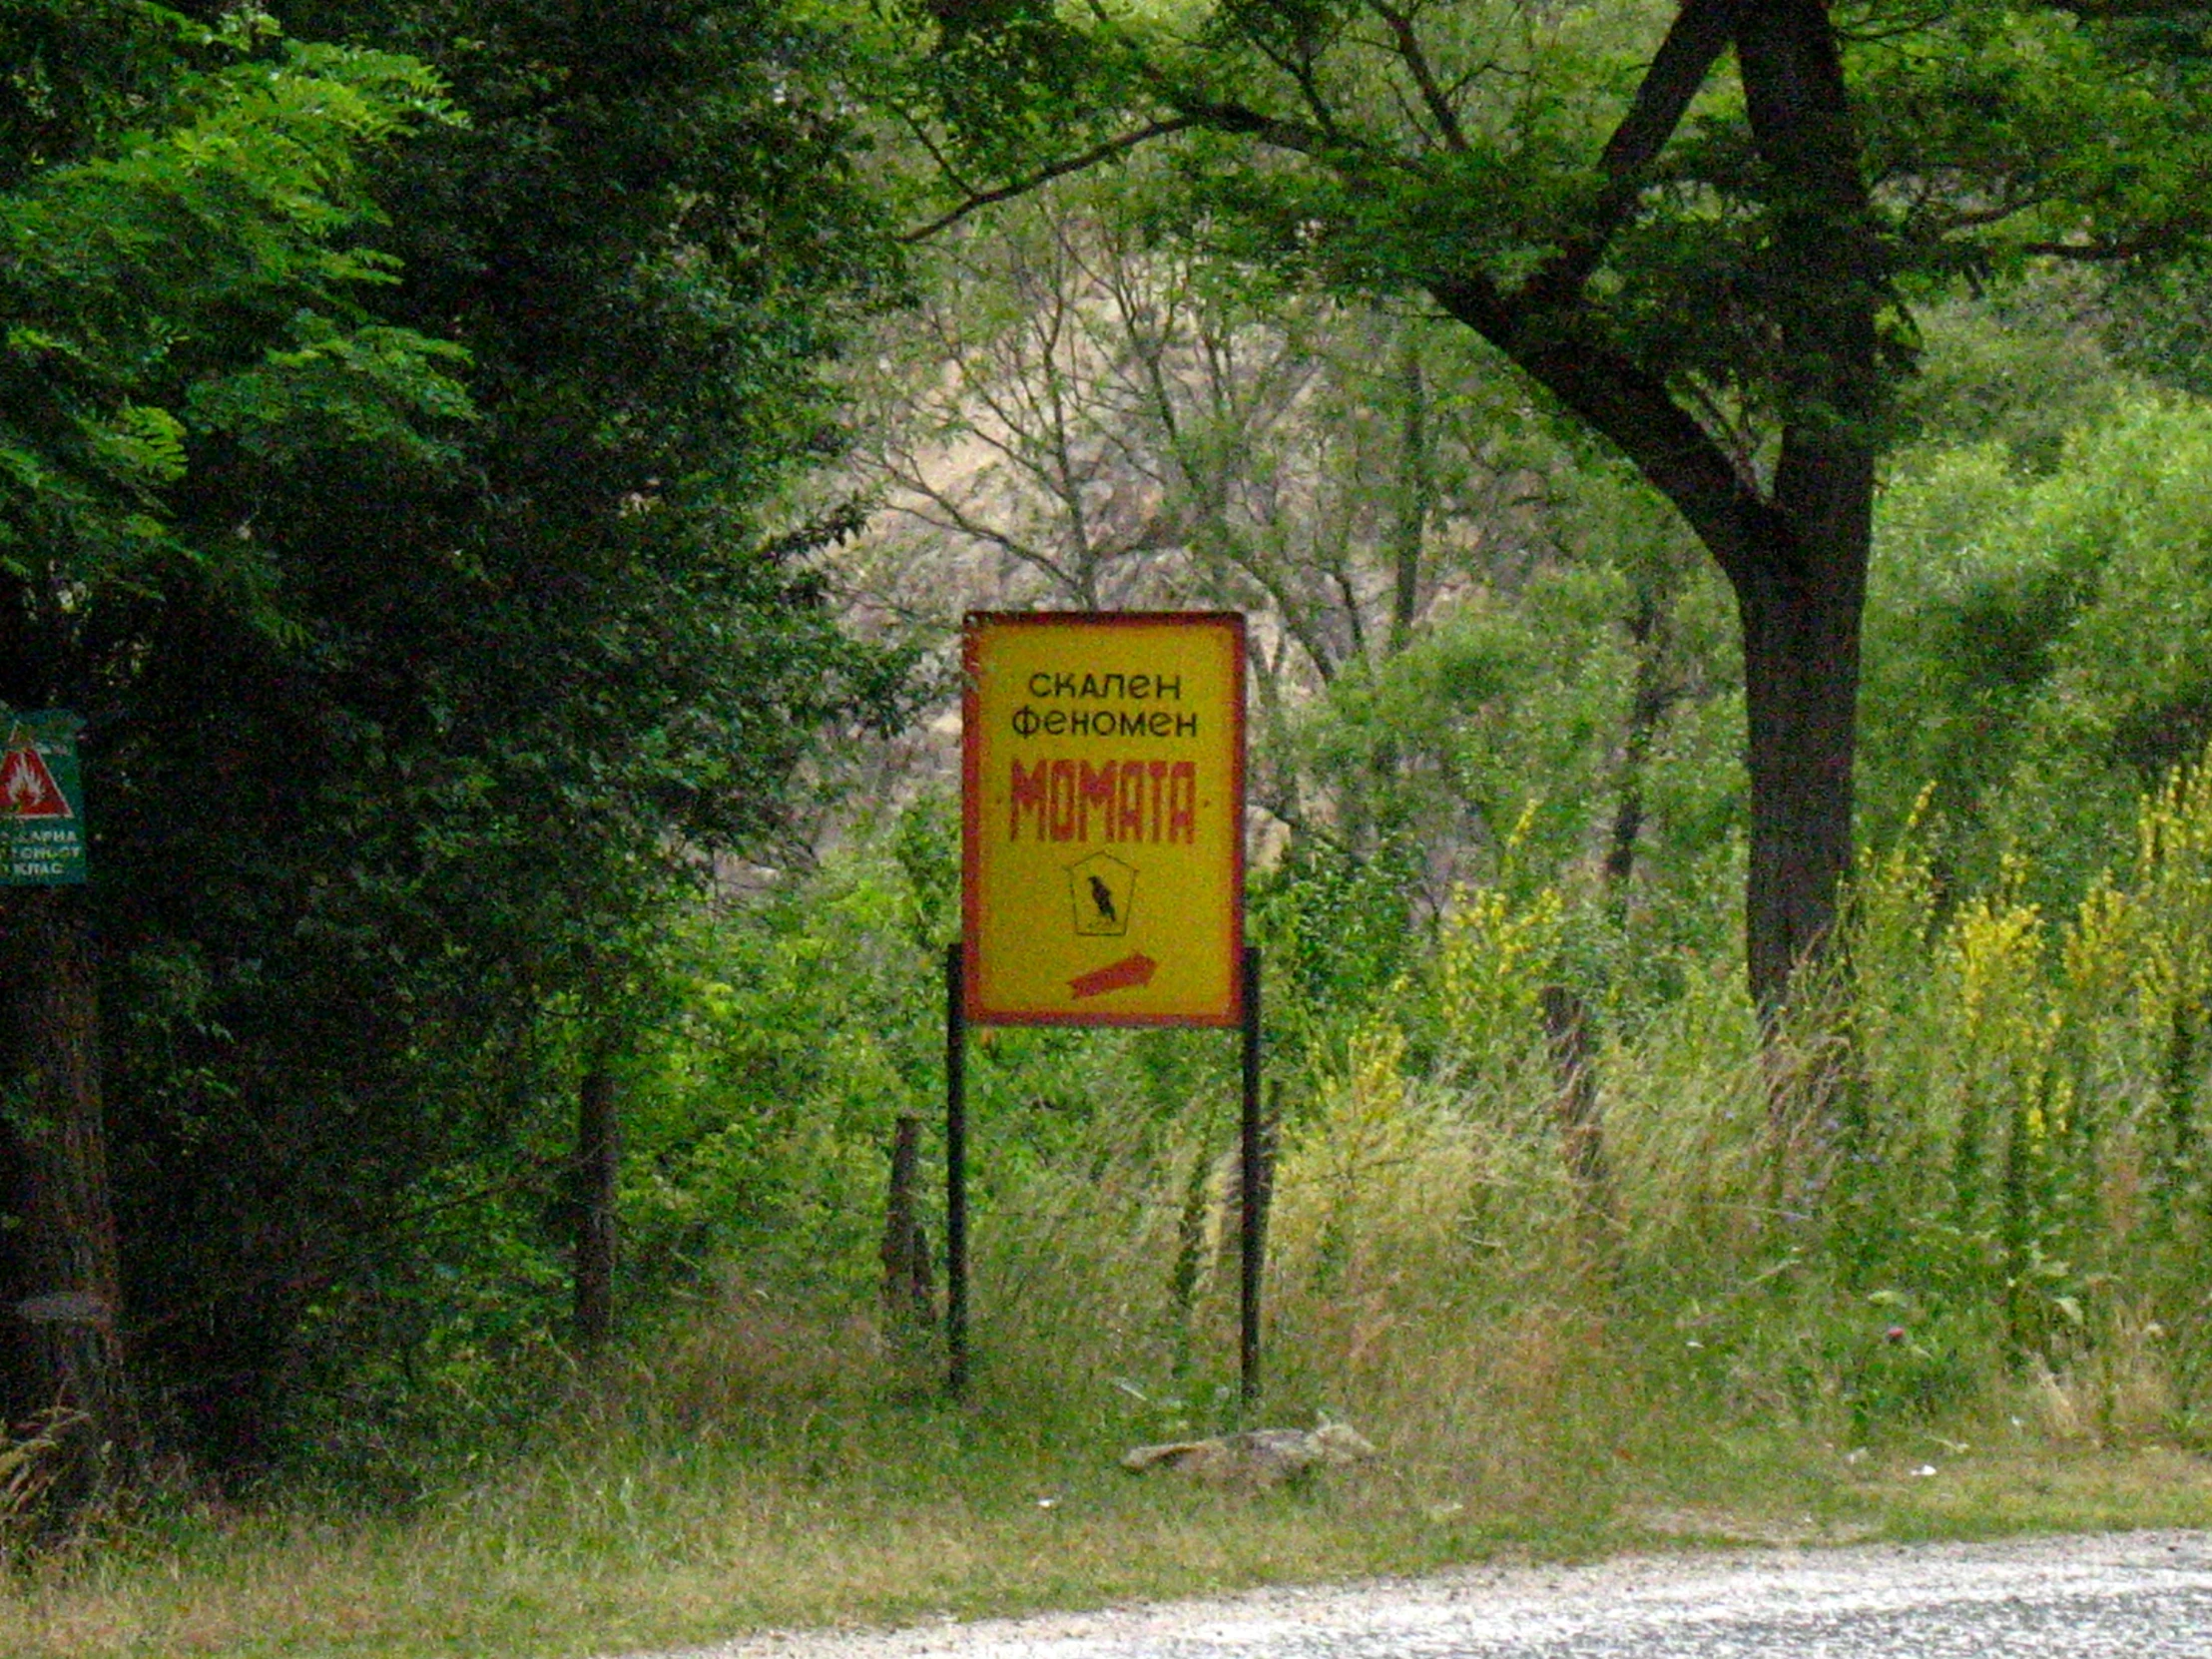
{"x": 770, "y": 1472}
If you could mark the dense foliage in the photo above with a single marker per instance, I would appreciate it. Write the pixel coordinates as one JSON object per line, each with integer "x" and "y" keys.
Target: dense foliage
{"x": 392, "y": 514}
{"x": 530, "y": 696}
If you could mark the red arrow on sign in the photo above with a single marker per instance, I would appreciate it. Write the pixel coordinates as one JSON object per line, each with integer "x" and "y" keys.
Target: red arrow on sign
{"x": 1115, "y": 976}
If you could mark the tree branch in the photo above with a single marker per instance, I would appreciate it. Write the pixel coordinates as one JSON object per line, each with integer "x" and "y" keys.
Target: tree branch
{"x": 2116, "y": 251}
{"x": 1281, "y": 132}
{"x": 1401, "y": 25}
{"x": 1630, "y": 406}
{"x": 1058, "y": 170}
{"x": 1701, "y": 32}
{"x": 2117, "y": 11}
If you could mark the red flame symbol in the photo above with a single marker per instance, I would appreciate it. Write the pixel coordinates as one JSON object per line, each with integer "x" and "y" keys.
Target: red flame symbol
{"x": 28, "y": 787}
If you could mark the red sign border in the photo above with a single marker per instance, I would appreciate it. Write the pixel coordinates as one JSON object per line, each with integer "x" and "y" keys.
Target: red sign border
{"x": 971, "y": 809}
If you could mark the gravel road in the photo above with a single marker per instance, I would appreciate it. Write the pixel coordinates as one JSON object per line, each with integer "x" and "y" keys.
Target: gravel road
{"x": 2141, "y": 1595}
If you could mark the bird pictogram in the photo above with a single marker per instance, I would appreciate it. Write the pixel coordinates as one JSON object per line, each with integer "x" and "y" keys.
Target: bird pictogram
{"x": 1102, "y": 896}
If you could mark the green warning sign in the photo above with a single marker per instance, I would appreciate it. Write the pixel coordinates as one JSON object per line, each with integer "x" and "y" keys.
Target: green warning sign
{"x": 42, "y": 800}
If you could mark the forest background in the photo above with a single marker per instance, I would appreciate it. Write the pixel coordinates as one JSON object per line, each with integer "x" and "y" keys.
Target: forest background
{"x": 500, "y": 486}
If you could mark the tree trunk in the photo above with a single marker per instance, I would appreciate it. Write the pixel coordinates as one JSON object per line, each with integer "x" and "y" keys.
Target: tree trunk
{"x": 1801, "y": 599}
{"x": 1801, "y": 691}
{"x": 597, "y": 1161}
{"x": 1190, "y": 1253}
{"x": 909, "y": 1295}
{"x": 1795, "y": 551}
{"x": 1568, "y": 1033}
{"x": 1651, "y": 697}
{"x": 59, "y": 1268}
{"x": 1415, "y": 497}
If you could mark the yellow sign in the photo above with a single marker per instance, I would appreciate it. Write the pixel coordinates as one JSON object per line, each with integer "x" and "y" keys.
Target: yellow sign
{"x": 1102, "y": 807}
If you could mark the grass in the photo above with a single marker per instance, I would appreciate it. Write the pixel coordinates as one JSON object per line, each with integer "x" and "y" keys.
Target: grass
{"x": 1962, "y": 1297}
{"x": 769, "y": 1475}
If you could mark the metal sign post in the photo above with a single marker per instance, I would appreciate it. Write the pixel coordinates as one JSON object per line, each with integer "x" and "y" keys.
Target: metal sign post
{"x": 956, "y": 1176}
{"x": 1102, "y": 789}
{"x": 1252, "y": 1182}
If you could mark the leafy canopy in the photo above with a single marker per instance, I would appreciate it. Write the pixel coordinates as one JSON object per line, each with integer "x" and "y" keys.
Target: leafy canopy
{"x": 195, "y": 272}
